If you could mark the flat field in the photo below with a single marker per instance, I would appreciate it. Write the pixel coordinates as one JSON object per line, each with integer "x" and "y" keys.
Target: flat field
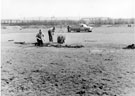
{"x": 101, "y": 68}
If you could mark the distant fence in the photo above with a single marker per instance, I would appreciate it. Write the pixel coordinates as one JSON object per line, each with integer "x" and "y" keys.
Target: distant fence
{"x": 42, "y": 22}
{"x": 96, "y": 21}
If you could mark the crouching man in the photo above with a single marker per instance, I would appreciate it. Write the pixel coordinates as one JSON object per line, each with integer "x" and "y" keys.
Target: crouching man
{"x": 39, "y": 37}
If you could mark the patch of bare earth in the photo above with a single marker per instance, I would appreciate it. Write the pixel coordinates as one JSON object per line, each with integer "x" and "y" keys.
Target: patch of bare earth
{"x": 44, "y": 71}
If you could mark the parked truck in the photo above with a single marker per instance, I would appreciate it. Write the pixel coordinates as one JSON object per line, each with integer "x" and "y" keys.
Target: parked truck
{"x": 81, "y": 27}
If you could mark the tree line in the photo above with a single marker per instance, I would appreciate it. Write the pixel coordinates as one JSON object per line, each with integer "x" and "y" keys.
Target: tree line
{"x": 95, "y": 21}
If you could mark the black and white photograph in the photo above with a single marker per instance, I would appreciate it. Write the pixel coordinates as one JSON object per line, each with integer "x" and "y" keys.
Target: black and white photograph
{"x": 67, "y": 48}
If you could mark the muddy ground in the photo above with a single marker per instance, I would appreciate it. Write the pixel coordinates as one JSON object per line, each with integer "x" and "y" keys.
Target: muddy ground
{"x": 98, "y": 69}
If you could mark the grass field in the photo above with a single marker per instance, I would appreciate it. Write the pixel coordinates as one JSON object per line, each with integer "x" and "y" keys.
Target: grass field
{"x": 101, "y": 68}
{"x": 123, "y": 35}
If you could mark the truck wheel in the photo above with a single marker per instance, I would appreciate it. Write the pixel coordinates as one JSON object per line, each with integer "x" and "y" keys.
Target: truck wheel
{"x": 78, "y": 30}
{"x": 89, "y": 30}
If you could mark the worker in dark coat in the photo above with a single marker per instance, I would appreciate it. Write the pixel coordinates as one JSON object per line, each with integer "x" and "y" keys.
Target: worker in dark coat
{"x": 39, "y": 37}
{"x": 50, "y": 33}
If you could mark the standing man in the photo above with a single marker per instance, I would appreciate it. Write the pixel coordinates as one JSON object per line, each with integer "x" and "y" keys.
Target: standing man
{"x": 39, "y": 37}
{"x": 50, "y": 33}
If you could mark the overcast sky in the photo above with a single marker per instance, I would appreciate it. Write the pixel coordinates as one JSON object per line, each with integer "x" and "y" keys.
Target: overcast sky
{"x": 13, "y": 9}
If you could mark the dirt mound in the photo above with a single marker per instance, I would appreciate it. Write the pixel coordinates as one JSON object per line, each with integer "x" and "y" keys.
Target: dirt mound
{"x": 54, "y": 44}
{"x": 19, "y": 42}
{"x": 67, "y": 46}
{"x": 132, "y": 46}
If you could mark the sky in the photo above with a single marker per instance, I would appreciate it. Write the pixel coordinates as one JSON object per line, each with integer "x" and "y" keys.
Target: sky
{"x": 16, "y": 9}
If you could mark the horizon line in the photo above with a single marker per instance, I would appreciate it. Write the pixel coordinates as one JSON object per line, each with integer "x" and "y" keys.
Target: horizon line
{"x": 62, "y": 18}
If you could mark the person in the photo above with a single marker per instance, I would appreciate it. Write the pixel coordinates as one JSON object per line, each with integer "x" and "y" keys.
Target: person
{"x": 50, "y": 33}
{"x": 39, "y": 37}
